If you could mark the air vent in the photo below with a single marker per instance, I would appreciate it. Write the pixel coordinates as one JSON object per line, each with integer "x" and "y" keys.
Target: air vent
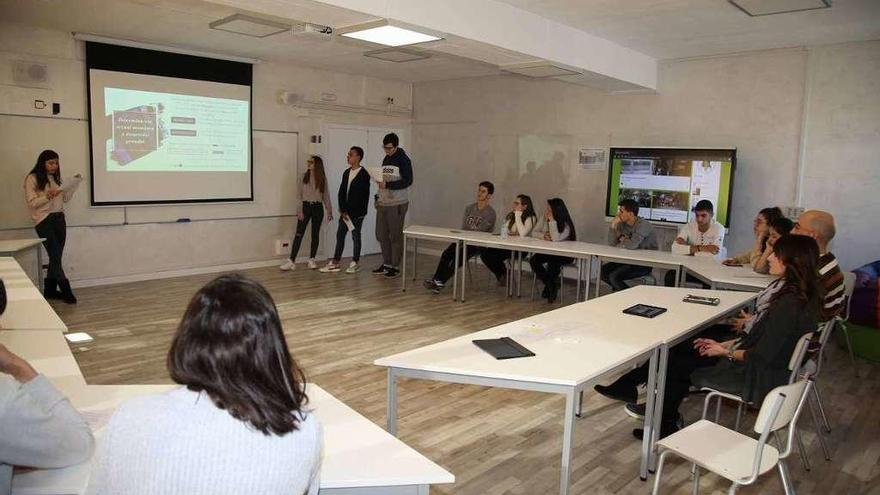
{"x": 538, "y": 70}
{"x": 398, "y": 55}
{"x": 758, "y": 8}
{"x": 249, "y": 26}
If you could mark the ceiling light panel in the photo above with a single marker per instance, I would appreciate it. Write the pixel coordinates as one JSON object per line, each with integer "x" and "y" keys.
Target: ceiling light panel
{"x": 540, "y": 71}
{"x": 757, "y": 8}
{"x": 249, "y": 26}
{"x": 398, "y": 55}
{"x": 391, "y": 36}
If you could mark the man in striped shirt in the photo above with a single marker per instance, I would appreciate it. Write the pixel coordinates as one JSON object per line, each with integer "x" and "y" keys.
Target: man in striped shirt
{"x": 819, "y": 225}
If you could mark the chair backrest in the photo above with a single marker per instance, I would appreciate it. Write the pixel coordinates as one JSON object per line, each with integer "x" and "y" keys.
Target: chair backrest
{"x": 797, "y": 356}
{"x": 849, "y": 286}
{"x": 781, "y": 407}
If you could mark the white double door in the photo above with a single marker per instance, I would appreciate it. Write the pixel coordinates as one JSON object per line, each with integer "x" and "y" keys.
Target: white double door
{"x": 338, "y": 139}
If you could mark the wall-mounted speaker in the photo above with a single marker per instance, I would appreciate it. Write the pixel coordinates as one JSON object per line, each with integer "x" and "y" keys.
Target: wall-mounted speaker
{"x": 30, "y": 74}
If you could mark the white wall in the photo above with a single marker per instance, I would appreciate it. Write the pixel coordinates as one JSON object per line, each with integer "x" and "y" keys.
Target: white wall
{"x": 133, "y": 251}
{"x": 468, "y": 130}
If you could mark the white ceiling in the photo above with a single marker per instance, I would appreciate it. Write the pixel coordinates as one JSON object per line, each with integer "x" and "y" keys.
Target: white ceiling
{"x": 184, "y": 23}
{"x": 669, "y": 29}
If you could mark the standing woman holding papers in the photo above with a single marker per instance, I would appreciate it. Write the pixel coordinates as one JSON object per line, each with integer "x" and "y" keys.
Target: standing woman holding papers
{"x": 519, "y": 222}
{"x": 45, "y": 196}
{"x": 315, "y": 201}
{"x": 560, "y": 227}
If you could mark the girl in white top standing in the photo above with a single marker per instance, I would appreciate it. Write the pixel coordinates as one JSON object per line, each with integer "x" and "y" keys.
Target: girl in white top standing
{"x": 45, "y": 200}
{"x": 315, "y": 202}
{"x": 238, "y": 425}
{"x": 547, "y": 268}
{"x": 519, "y": 222}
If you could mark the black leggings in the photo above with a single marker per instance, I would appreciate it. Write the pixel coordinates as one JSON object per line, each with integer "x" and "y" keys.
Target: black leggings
{"x": 312, "y": 212}
{"x": 446, "y": 268}
{"x": 547, "y": 268}
{"x": 494, "y": 259}
{"x": 54, "y": 229}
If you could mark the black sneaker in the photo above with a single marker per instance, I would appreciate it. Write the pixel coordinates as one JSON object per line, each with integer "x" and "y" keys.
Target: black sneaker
{"x": 430, "y": 284}
{"x": 635, "y": 410}
{"x": 618, "y": 392}
{"x": 665, "y": 430}
{"x": 380, "y": 270}
{"x": 392, "y": 272}
{"x": 438, "y": 286}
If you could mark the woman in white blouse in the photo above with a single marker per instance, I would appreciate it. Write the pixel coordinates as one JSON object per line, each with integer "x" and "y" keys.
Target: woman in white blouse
{"x": 560, "y": 227}
{"x": 519, "y": 222}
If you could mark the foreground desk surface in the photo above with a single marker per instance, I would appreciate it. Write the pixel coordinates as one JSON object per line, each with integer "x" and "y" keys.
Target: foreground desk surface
{"x": 26, "y": 309}
{"x": 12, "y": 246}
{"x": 359, "y": 457}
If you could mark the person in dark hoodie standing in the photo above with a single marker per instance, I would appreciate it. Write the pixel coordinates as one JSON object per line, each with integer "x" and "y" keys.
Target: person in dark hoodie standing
{"x": 392, "y": 204}
{"x": 354, "y": 198}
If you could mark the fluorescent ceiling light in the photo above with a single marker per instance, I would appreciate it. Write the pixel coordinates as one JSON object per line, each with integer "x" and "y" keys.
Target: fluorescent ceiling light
{"x": 397, "y": 55}
{"x": 249, "y": 26}
{"x": 757, "y": 8}
{"x": 539, "y": 70}
{"x": 391, "y": 36}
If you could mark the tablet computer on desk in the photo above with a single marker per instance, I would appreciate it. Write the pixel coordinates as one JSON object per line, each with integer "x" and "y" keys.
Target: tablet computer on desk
{"x": 503, "y": 348}
{"x": 644, "y": 310}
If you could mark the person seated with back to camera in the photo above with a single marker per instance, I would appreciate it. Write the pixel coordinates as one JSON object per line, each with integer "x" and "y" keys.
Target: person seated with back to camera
{"x": 478, "y": 217}
{"x": 39, "y": 428}
{"x": 629, "y": 231}
{"x": 558, "y": 227}
{"x": 519, "y": 222}
{"x": 239, "y": 422}
{"x": 776, "y": 229}
{"x": 702, "y": 235}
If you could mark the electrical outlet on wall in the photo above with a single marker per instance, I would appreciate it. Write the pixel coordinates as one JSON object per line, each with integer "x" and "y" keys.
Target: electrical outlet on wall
{"x": 282, "y": 246}
{"x": 792, "y": 212}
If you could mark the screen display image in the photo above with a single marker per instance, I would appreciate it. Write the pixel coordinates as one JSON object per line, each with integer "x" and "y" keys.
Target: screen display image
{"x": 666, "y": 183}
{"x": 168, "y": 128}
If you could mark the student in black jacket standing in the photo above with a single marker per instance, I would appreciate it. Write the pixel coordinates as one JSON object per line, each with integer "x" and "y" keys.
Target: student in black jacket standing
{"x": 391, "y": 205}
{"x": 354, "y": 197}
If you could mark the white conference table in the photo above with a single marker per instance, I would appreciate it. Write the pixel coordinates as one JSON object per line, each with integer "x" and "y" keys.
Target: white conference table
{"x": 704, "y": 268}
{"x": 575, "y": 347}
{"x": 26, "y": 309}
{"x": 360, "y": 458}
{"x": 11, "y": 247}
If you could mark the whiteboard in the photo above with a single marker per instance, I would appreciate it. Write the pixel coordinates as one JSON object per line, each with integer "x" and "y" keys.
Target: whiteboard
{"x": 22, "y": 138}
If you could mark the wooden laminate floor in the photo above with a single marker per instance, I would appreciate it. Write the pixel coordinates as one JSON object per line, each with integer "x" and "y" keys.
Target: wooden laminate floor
{"x": 495, "y": 441}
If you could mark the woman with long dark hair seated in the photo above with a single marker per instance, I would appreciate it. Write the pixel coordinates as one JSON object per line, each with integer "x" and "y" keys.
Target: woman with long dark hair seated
{"x": 757, "y": 361}
{"x": 546, "y": 267}
{"x": 239, "y": 422}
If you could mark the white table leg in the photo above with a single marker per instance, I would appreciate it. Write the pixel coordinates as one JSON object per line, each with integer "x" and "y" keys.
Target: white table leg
{"x": 571, "y": 404}
{"x": 658, "y": 403}
{"x": 464, "y": 266}
{"x": 589, "y": 274}
{"x": 679, "y": 275}
{"x": 650, "y": 401}
{"x": 391, "y": 420}
{"x": 580, "y": 266}
{"x": 415, "y": 257}
{"x": 40, "y": 267}
{"x": 520, "y": 256}
{"x": 455, "y": 274}
{"x": 598, "y": 275}
{"x": 403, "y": 266}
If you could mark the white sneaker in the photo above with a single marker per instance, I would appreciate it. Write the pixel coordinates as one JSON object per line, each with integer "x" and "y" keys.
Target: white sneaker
{"x": 330, "y": 267}
{"x": 312, "y": 265}
{"x": 353, "y": 267}
{"x": 288, "y": 265}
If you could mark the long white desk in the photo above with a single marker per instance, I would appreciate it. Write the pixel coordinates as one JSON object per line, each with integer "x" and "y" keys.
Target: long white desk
{"x": 706, "y": 269}
{"x": 25, "y": 308}
{"x": 12, "y": 247}
{"x": 575, "y": 347}
{"x": 360, "y": 458}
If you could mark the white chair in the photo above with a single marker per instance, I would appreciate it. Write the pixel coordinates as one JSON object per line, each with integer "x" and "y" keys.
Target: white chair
{"x": 849, "y": 284}
{"x": 737, "y": 457}
{"x": 795, "y": 367}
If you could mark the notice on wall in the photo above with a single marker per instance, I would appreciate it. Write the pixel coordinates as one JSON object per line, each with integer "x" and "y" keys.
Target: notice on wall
{"x": 591, "y": 158}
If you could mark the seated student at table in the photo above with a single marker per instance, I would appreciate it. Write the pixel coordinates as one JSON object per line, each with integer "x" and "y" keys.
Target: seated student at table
{"x": 480, "y": 217}
{"x": 703, "y": 234}
{"x": 761, "y": 228}
{"x": 629, "y": 231}
{"x": 777, "y": 228}
{"x": 38, "y": 426}
{"x": 755, "y": 362}
{"x": 239, "y": 423}
{"x": 819, "y": 225}
{"x": 519, "y": 222}
{"x": 546, "y": 268}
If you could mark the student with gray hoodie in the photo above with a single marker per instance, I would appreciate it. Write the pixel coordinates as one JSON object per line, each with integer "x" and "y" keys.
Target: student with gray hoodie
{"x": 392, "y": 203}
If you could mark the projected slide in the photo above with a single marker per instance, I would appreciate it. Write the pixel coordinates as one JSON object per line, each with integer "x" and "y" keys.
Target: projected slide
{"x": 667, "y": 183}
{"x": 165, "y": 132}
